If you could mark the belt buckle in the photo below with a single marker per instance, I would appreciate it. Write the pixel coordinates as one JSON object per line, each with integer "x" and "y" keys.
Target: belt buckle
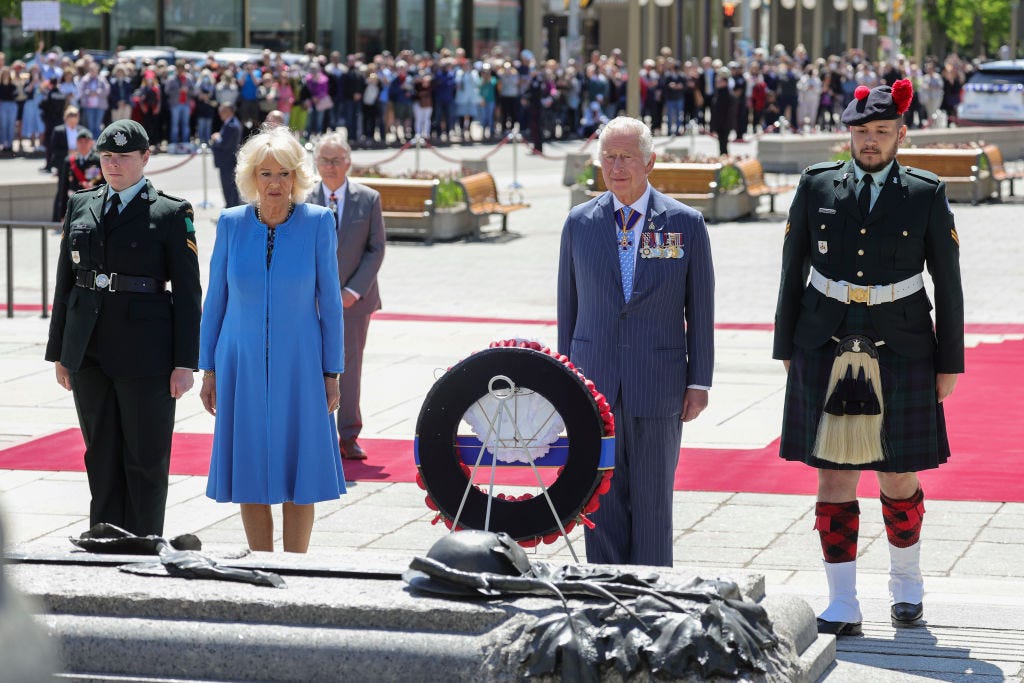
{"x": 860, "y": 295}
{"x": 102, "y": 281}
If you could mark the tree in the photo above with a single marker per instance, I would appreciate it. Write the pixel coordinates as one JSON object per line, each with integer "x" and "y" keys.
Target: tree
{"x": 976, "y": 27}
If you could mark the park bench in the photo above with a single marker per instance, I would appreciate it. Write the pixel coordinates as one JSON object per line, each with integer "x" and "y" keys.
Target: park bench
{"x": 407, "y": 205}
{"x": 964, "y": 171}
{"x": 482, "y": 198}
{"x": 753, "y": 178}
{"x": 695, "y": 185}
{"x": 998, "y": 169}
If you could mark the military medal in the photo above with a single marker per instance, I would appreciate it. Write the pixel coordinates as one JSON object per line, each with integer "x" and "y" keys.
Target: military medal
{"x": 645, "y": 245}
{"x": 76, "y": 257}
{"x": 626, "y": 227}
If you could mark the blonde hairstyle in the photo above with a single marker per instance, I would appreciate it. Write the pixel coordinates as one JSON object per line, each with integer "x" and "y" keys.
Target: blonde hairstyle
{"x": 278, "y": 143}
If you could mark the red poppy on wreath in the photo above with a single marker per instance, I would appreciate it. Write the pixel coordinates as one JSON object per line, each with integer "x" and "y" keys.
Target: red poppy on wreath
{"x": 518, "y": 397}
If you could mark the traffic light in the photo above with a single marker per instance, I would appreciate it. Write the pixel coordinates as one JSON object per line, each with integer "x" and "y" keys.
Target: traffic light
{"x": 728, "y": 14}
{"x": 897, "y": 10}
{"x": 584, "y": 4}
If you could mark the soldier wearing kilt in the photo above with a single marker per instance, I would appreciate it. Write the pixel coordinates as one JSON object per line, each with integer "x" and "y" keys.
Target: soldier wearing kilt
{"x": 867, "y": 367}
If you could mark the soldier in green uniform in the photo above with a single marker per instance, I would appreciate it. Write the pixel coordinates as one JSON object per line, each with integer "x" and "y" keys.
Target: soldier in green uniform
{"x": 867, "y": 367}
{"x": 79, "y": 171}
{"x": 121, "y": 342}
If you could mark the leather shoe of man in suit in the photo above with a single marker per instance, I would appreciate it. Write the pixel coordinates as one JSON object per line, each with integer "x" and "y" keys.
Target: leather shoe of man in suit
{"x": 839, "y": 628}
{"x": 351, "y": 450}
{"x": 906, "y": 614}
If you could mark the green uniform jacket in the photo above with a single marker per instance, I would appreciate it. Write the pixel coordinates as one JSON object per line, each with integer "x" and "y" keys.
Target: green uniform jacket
{"x": 910, "y": 227}
{"x": 137, "y": 334}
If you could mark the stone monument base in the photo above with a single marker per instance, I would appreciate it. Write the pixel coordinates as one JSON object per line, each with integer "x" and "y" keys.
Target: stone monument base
{"x": 348, "y": 617}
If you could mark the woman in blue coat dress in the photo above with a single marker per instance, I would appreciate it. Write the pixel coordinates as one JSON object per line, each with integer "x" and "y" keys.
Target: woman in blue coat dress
{"x": 271, "y": 344}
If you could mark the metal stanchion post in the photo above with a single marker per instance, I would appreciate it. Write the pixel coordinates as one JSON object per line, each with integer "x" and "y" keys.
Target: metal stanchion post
{"x": 206, "y": 203}
{"x": 44, "y": 253}
{"x": 419, "y": 146}
{"x": 10, "y": 272}
{"x": 693, "y": 139}
{"x": 515, "y": 189}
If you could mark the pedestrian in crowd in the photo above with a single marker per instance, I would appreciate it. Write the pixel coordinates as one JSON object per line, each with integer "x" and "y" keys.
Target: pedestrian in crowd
{"x": 723, "y": 111}
{"x": 271, "y": 347}
{"x": 227, "y": 90}
{"x": 8, "y": 110}
{"x": 488, "y": 99}
{"x": 318, "y": 101}
{"x": 467, "y": 96}
{"x": 147, "y": 103}
{"x": 361, "y": 238}
{"x": 225, "y": 144}
{"x": 120, "y": 98}
{"x": 32, "y": 127}
{"x": 123, "y": 345}
{"x": 673, "y": 82}
{"x": 94, "y": 94}
{"x": 423, "y": 104}
{"x": 63, "y": 139}
{"x": 79, "y": 171}
{"x": 285, "y": 95}
{"x": 867, "y": 368}
{"x": 401, "y": 91}
{"x": 808, "y": 99}
{"x": 371, "y": 108}
{"x": 206, "y": 105}
{"x": 179, "y": 87}
{"x": 644, "y": 332}
{"x": 738, "y": 89}
{"x": 69, "y": 86}
{"x": 248, "y": 95}
{"x": 508, "y": 96}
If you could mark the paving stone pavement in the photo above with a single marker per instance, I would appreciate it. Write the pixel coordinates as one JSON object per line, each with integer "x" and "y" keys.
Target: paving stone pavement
{"x": 973, "y": 552}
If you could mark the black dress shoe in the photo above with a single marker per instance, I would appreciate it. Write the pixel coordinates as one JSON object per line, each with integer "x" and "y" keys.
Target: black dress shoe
{"x": 839, "y": 628}
{"x": 906, "y": 614}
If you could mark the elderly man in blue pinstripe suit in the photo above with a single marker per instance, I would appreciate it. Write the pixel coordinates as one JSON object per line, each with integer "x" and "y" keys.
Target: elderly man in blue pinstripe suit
{"x": 636, "y": 314}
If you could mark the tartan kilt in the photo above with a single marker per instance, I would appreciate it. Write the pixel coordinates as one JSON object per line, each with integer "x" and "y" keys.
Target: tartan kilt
{"x": 914, "y": 426}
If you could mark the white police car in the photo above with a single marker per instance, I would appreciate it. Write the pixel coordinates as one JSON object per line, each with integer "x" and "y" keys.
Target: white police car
{"x": 993, "y": 95}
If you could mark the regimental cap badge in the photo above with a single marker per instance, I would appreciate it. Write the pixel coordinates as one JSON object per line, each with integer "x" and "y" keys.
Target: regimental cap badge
{"x": 120, "y": 139}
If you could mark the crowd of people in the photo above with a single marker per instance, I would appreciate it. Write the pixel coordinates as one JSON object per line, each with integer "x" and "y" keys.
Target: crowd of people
{"x": 453, "y": 96}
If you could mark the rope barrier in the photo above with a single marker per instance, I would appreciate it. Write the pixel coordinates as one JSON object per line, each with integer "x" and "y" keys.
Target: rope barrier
{"x": 387, "y": 160}
{"x": 450, "y": 160}
{"x": 498, "y": 146}
{"x": 178, "y": 165}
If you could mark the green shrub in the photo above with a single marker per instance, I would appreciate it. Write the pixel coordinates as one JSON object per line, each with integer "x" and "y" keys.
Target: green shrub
{"x": 449, "y": 193}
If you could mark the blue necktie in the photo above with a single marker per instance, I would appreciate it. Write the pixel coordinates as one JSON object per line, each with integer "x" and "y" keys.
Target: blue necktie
{"x": 625, "y": 219}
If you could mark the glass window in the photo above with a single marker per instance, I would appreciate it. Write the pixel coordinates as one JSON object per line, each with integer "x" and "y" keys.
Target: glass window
{"x": 276, "y": 25}
{"x": 332, "y": 25}
{"x": 370, "y": 28}
{"x": 203, "y": 25}
{"x": 132, "y": 22}
{"x": 411, "y": 21}
{"x": 496, "y": 23}
{"x": 82, "y": 31}
{"x": 449, "y": 25}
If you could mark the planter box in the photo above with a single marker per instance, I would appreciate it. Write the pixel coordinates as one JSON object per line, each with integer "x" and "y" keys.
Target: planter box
{"x": 729, "y": 206}
{"x": 441, "y": 224}
{"x": 575, "y": 162}
{"x": 578, "y": 194}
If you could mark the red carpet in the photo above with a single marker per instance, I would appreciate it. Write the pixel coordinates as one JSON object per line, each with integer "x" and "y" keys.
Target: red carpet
{"x": 984, "y": 415}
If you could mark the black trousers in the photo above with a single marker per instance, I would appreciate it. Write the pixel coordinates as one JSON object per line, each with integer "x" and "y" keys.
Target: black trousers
{"x": 127, "y": 424}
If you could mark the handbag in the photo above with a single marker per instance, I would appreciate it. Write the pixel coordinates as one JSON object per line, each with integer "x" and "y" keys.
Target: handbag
{"x": 323, "y": 103}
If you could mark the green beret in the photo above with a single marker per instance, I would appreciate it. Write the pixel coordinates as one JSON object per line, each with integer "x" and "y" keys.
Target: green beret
{"x": 84, "y": 133}
{"x": 123, "y": 136}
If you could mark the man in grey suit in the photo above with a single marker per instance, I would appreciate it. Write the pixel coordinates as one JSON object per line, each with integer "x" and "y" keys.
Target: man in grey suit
{"x": 360, "y": 254}
{"x": 636, "y": 315}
